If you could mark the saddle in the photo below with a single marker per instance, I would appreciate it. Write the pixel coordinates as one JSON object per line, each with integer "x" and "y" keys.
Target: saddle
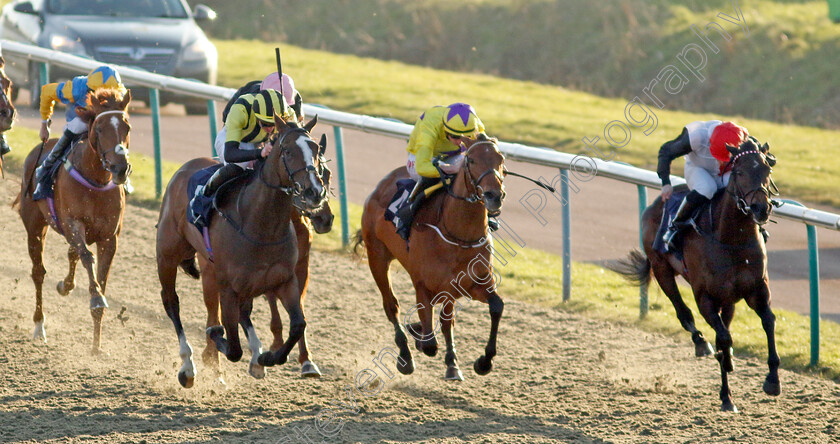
{"x": 669, "y": 212}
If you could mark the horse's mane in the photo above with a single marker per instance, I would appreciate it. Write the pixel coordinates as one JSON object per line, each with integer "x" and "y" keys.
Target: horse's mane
{"x": 483, "y": 137}
{"x": 108, "y": 98}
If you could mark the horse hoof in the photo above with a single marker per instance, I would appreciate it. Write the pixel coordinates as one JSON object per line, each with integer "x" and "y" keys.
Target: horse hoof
{"x": 728, "y": 406}
{"x": 405, "y": 366}
{"x": 62, "y": 290}
{"x": 704, "y": 349}
{"x": 97, "y": 302}
{"x": 772, "y": 388}
{"x": 266, "y": 359}
{"x": 184, "y": 380}
{"x": 483, "y": 366}
{"x": 95, "y": 351}
{"x": 256, "y": 370}
{"x": 39, "y": 334}
{"x": 310, "y": 370}
{"x": 454, "y": 374}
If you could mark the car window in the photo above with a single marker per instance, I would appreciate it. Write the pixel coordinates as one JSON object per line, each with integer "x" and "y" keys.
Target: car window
{"x": 118, "y": 8}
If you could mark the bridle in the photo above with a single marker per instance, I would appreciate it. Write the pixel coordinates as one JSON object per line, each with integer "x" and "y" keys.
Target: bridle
{"x": 295, "y": 189}
{"x": 118, "y": 149}
{"x": 767, "y": 191}
{"x": 476, "y": 195}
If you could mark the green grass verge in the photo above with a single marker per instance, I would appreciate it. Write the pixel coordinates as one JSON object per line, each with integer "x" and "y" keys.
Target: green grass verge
{"x": 519, "y": 111}
{"x": 532, "y": 276}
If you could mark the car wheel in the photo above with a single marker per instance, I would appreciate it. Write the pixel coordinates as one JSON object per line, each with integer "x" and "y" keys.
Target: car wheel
{"x": 195, "y": 109}
{"x": 34, "y": 86}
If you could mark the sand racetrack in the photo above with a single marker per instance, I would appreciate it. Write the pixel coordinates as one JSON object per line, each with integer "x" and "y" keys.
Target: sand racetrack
{"x": 558, "y": 377}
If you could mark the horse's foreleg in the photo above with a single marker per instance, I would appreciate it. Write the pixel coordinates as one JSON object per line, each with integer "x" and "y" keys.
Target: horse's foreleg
{"x": 76, "y": 238}
{"x": 665, "y": 277}
{"x": 105, "y": 251}
{"x": 254, "y": 368}
{"x": 484, "y": 364}
{"x": 723, "y": 345}
{"x": 289, "y": 296}
{"x": 167, "y": 272}
{"x": 308, "y": 369}
{"x": 447, "y": 322}
{"x": 761, "y": 305}
{"x": 379, "y": 262}
{"x": 35, "y": 240}
{"x": 276, "y": 323}
{"x": 69, "y": 283}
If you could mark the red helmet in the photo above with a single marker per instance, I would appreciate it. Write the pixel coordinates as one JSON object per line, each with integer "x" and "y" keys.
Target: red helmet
{"x": 727, "y": 133}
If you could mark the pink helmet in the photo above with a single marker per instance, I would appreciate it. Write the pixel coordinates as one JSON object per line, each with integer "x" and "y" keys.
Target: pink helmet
{"x": 272, "y": 82}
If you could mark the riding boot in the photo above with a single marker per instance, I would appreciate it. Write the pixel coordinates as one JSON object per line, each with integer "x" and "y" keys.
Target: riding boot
{"x": 222, "y": 175}
{"x": 406, "y": 213}
{"x": 4, "y": 145}
{"x": 693, "y": 200}
{"x": 43, "y": 174}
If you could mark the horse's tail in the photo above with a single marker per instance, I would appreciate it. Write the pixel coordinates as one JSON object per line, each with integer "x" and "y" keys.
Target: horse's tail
{"x": 635, "y": 268}
{"x": 190, "y": 267}
{"x": 357, "y": 242}
{"x": 16, "y": 203}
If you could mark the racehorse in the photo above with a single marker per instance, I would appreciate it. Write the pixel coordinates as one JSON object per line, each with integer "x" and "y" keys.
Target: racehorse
{"x": 87, "y": 206}
{"x": 7, "y": 110}
{"x": 448, "y": 247}
{"x": 255, "y": 249}
{"x": 725, "y": 260}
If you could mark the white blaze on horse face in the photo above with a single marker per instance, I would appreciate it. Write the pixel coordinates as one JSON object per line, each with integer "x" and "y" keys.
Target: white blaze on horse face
{"x": 121, "y": 150}
{"x": 309, "y": 159}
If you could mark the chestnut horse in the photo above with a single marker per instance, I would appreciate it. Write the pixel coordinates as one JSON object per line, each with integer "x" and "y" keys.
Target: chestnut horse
{"x": 87, "y": 206}
{"x": 255, "y": 249}
{"x": 724, "y": 263}
{"x": 7, "y": 110}
{"x": 448, "y": 242}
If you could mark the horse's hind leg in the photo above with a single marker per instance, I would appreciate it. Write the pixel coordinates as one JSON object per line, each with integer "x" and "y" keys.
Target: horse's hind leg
{"x": 308, "y": 368}
{"x": 35, "y": 239}
{"x": 723, "y": 343}
{"x": 167, "y": 273}
{"x": 229, "y": 346}
{"x": 379, "y": 261}
{"x": 447, "y": 322}
{"x": 69, "y": 283}
{"x": 484, "y": 363}
{"x": 210, "y": 290}
{"x": 423, "y": 332}
{"x": 761, "y": 305}
{"x": 668, "y": 282}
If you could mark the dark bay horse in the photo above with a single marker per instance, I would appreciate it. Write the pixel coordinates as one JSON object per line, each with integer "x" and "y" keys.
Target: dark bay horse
{"x": 7, "y": 110}
{"x": 254, "y": 244}
{"x": 725, "y": 262}
{"x": 448, "y": 243}
{"x": 88, "y": 203}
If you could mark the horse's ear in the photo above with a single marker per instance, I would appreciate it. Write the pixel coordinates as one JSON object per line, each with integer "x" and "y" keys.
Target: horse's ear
{"x": 279, "y": 122}
{"x": 323, "y": 144}
{"x": 311, "y": 124}
{"x": 126, "y": 99}
{"x": 765, "y": 148}
{"x": 2, "y": 62}
{"x": 732, "y": 149}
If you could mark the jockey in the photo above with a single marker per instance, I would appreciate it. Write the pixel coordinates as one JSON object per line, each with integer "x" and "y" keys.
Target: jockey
{"x": 240, "y": 142}
{"x": 435, "y": 134}
{"x": 706, "y": 163}
{"x": 290, "y": 95}
{"x": 74, "y": 94}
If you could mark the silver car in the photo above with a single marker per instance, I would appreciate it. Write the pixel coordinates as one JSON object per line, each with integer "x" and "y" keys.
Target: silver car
{"x": 159, "y": 36}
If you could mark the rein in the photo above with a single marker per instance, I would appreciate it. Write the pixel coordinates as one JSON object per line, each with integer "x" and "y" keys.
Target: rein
{"x": 741, "y": 197}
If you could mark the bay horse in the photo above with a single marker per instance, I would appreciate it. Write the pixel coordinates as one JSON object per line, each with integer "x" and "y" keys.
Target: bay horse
{"x": 87, "y": 206}
{"x": 255, "y": 249}
{"x": 7, "y": 109}
{"x": 723, "y": 264}
{"x": 448, "y": 242}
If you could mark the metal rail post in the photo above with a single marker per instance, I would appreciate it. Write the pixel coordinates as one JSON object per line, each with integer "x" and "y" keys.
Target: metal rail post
{"x": 643, "y": 290}
{"x": 567, "y": 235}
{"x": 154, "y": 101}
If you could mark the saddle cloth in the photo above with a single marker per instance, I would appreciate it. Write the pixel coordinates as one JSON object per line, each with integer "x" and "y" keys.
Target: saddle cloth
{"x": 400, "y": 199}
{"x": 669, "y": 212}
{"x": 200, "y": 207}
